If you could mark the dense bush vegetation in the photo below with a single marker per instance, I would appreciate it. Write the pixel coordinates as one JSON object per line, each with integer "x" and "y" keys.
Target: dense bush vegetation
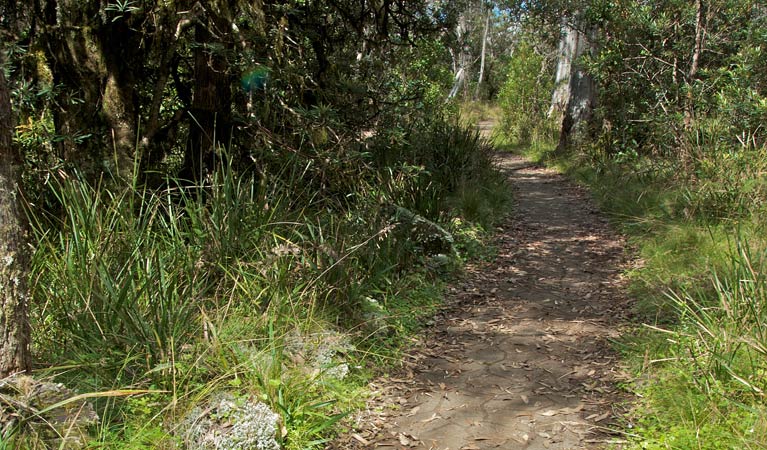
{"x": 190, "y": 295}
{"x": 235, "y": 205}
{"x": 525, "y": 98}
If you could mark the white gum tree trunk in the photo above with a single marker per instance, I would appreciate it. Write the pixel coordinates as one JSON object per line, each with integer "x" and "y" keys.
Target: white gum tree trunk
{"x": 482, "y": 57}
{"x": 574, "y": 96}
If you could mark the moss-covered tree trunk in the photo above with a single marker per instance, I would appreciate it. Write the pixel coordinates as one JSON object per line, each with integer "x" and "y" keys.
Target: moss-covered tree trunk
{"x": 77, "y": 72}
{"x": 122, "y": 57}
{"x": 93, "y": 58}
{"x": 14, "y": 324}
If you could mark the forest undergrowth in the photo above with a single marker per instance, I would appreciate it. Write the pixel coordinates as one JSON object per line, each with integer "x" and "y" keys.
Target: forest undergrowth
{"x": 233, "y": 219}
{"x": 180, "y": 312}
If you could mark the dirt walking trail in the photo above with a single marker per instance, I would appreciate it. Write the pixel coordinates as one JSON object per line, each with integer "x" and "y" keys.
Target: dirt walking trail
{"x": 520, "y": 358}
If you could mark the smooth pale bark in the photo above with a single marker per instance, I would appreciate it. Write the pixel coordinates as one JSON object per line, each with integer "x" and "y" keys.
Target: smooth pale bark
{"x": 568, "y": 45}
{"x": 464, "y": 58}
{"x": 482, "y": 57}
{"x": 14, "y": 323}
{"x": 574, "y": 97}
{"x": 457, "y": 83}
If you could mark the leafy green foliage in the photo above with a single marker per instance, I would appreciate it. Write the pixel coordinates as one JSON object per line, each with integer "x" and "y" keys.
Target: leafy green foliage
{"x": 654, "y": 99}
{"x": 525, "y": 97}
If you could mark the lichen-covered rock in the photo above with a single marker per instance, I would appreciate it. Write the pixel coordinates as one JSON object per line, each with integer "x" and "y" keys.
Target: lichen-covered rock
{"x": 427, "y": 237}
{"x": 376, "y": 317}
{"x": 27, "y": 402}
{"x": 229, "y": 423}
{"x": 322, "y": 353}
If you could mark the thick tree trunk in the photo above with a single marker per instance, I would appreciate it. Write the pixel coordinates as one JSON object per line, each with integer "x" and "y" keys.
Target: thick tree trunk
{"x": 575, "y": 94}
{"x": 120, "y": 50}
{"x": 210, "y": 115}
{"x": 566, "y": 54}
{"x": 94, "y": 61}
{"x": 579, "y": 110}
{"x": 14, "y": 324}
{"x": 77, "y": 72}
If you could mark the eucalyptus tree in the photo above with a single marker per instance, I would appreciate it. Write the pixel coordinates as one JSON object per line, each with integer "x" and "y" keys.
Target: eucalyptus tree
{"x": 563, "y": 28}
{"x": 644, "y": 76}
{"x": 480, "y": 44}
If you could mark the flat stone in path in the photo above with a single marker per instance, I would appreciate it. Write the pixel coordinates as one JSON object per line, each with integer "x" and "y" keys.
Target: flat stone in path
{"x": 520, "y": 358}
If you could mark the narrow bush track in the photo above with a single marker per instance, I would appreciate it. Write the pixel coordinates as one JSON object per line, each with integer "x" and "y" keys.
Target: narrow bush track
{"x": 520, "y": 358}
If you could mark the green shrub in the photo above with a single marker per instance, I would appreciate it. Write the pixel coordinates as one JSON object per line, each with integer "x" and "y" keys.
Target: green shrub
{"x": 525, "y": 97}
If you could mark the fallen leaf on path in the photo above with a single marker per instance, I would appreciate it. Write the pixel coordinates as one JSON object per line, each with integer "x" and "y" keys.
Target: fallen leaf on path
{"x": 524, "y": 399}
{"x": 603, "y": 417}
{"x": 554, "y": 412}
{"x": 576, "y": 409}
{"x": 360, "y": 439}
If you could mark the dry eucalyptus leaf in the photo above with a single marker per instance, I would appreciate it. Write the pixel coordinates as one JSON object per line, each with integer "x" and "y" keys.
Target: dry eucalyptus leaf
{"x": 360, "y": 439}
